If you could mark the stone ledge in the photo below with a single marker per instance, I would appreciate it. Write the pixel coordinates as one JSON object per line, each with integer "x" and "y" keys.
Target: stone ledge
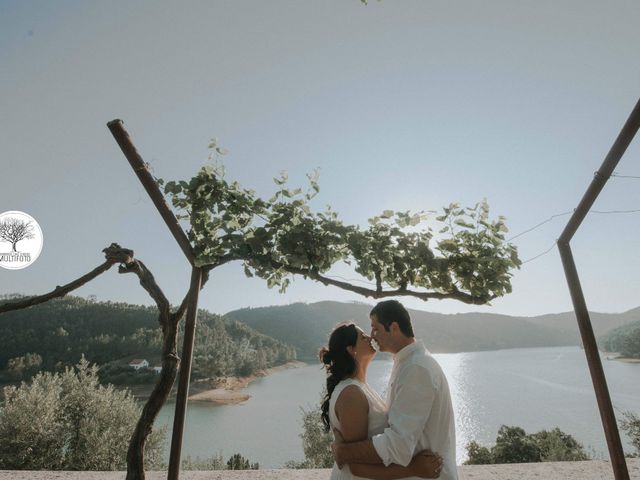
{"x": 591, "y": 470}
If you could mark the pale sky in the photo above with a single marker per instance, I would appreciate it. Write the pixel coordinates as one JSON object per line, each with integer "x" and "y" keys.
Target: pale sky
{"x": 402, "y": 105}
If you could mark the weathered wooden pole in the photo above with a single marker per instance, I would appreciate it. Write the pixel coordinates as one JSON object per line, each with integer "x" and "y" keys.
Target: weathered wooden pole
{"x": 185, "y": 374}
{"x": 616, "y": 452}
{"x": 140, "y": 168}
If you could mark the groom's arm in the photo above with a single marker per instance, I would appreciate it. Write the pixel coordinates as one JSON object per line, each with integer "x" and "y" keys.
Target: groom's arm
{"x": 408, "y": 414}
{"x": 356, "y": 452}
{"x": 425, "y": 464}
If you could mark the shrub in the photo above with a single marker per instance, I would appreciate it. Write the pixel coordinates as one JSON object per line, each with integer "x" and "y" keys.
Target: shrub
{"x": 316, "y": 442}
{"x": 23, "y": 367}
{"x": 216, "y": 462}
{"x": 631, "y": 425}
{"x": 514, "y": 445}
{"x": 478, "y": 455}
{"x": 557, "y": 446}
{"x": 238, "y": 462}
{"x": 68, "y": 421}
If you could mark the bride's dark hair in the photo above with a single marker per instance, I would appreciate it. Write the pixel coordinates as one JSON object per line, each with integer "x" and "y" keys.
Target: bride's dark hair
{"x": 338, "y": 362}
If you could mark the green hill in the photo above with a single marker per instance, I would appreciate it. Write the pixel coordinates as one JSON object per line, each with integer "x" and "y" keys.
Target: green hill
{"x": 624, "y": 339}
{"x": 307, "y": 326}
{"x": 55, "y": 334}
{"x": 601, "y": 322}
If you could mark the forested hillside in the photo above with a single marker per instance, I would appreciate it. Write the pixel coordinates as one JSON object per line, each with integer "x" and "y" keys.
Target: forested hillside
{"x": 307, "y": 326}
{"x": 601, "y": 322}
{"x": 57, "y": 333}
{"x": 625, "y": 340}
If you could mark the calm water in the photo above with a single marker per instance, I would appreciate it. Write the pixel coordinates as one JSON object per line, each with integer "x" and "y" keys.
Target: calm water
{"x": 537, "y": 388}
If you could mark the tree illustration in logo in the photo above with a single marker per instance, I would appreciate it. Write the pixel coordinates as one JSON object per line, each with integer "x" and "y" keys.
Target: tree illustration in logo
{"x": 14, "y": 230}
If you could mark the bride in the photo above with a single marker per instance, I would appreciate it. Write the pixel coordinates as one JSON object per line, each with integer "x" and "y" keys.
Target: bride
{"x": 354, "y": 411}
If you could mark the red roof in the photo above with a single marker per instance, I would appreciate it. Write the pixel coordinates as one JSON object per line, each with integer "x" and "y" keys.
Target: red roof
{"x": 136, "y": 361}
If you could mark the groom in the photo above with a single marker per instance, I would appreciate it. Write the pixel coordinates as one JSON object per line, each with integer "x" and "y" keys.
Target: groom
{"x": 420, "y": 410}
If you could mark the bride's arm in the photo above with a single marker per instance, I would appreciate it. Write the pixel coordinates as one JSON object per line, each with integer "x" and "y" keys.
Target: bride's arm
{"x": 352, "y": 410}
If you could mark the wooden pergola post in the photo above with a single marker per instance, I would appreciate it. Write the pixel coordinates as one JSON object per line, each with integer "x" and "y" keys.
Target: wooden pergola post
{"x": 626, "y": 135}
{"x": 140, "y": 168}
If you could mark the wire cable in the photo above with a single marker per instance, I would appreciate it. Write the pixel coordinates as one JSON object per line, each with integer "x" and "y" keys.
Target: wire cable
{"x": 615, "y": 211}
{"x": 567, "y": 213}
{"x": 623, "y": 176}
{"x": 540, "y": 224}
{"x": 540, "y": 254}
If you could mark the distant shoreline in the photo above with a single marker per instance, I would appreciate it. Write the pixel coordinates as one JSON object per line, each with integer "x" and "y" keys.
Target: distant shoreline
{"x": 619, "y": 358}
{"x": 221, "y": 391}
{"x": 228, "y": 390}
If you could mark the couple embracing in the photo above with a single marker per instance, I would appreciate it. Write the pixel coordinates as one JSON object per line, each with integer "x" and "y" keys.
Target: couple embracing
{"x": 411, "y": 434}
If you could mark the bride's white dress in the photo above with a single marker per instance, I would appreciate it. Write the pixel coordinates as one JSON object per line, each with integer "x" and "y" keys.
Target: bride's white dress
{"x": 377, "y": 419}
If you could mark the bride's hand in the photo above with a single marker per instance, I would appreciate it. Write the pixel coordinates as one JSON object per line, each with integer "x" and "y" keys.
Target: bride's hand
{"x": 426, "y": 464}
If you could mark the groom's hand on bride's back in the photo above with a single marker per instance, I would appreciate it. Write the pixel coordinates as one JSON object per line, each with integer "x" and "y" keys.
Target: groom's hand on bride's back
{"x": 426, "y": 464}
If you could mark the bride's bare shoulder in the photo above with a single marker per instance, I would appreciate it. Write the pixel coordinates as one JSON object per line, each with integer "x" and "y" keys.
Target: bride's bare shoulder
{"x": 351, "y": 398}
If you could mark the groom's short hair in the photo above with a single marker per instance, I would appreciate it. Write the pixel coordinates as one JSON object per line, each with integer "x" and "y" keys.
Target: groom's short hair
{"x": 391, "y": 311}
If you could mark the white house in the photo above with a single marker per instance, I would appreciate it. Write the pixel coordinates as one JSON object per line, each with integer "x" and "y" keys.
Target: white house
{"x": 138, "y": 363}
{"x": 157, "y": 369}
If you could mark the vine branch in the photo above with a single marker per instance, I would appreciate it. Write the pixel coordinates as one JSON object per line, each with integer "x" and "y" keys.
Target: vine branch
{"x": 113, "y": 254}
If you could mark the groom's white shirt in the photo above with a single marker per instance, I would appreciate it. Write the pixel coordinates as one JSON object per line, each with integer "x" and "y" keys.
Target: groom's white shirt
{"x": 420, "y": 412}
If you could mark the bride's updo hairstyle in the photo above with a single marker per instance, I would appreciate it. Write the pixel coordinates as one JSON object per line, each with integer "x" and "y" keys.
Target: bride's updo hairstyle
{"x": 338, "y": 362}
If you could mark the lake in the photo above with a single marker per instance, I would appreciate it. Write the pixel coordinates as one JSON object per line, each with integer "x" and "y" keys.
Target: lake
{"x": 536, "y": 388}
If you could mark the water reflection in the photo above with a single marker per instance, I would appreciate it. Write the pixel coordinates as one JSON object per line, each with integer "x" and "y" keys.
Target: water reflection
{"x": 456, "y": 368}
